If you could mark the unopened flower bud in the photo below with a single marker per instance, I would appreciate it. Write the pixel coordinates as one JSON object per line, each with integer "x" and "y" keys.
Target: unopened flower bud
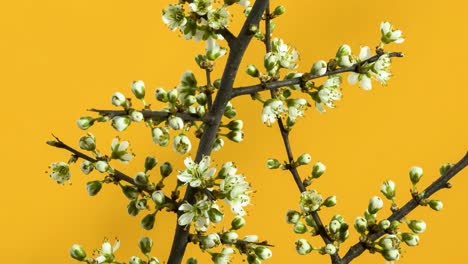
{"x": 436, "y": 205}
{"x": 201, "y": 98}
{"x": 229, "y": 237}
{"x": 145, "y": 244}
{"x": 375, "y": 204}
{"x": 120, "y": 123}
{"x": 318, "y": 169}
{"x": 210, "y": 241}
{"x": 86, "y": 167}
{"x": 292, "y": 216}
{"x": 130, "y": 192}
{"x": 385, "y": 224}
{"x": 141, "y": 178}
{"x": 319, "y": 68}
{"x": 172, "y": 96}
{"x": 101, "y": 166}
{"x": 235, "y": 125}
{"x": 237, "y": 223}
{"x": 230, "y": 112}
{"x": 93, "y": 187}
{"x": 299, "y": 228}
{"x": 118, "y": 99}
{"x": 215, "y": 215}
{"x": 303, "y": 159}
{"x": 250, "y": 238}
{"x": 236, "y": 136}
{"x": 150, "y": 163}
{"x": 165, "y": 169}
{"x": 138, "y": 89}
{"x": 303, "y": 247}
{"x": 360, "y": 224}
{"x": 271, "y": 61}
{"x": 252, "y": 71}
{"x": 415, "y": 174}
{"x": 136, "y": 116}
{"x": 132, "y": 209}
{"x": 135, "y": 260}
{"x": 444, "y": 168}
{"x": 388, "y": 189}
{"x": 263, "y": 253}
{"x": 253, "y": 259}
{"x": 329, "y": 249}
{"x": 273, "y": 164}
{"x": 175, "y": 122}
{"x": 279, "y": 10}
{"x": 182, "y": 144}
{"x": 417, "y": 226}
{"x": 161, "y": 95}
{"x": 148, "y": 221}
{"x": 160, "y": 136}
{"x": 410, "y": 239}
{"x": 77, "y": 252}
{"x": 330, "y": 201}
{"x": 158, "y": 197}
{"x": 190, "y": 261}
{"x": 391, "y": 254}
{"x": 217, "y": 83}
{"x": 155, "y": 260}
{"x": 344, "y": 50}
{"x": 218, "y": 144}
{"x": 87, "y": 142}
{"x": 85, "y": 122}
{"x": 343, "y": 56}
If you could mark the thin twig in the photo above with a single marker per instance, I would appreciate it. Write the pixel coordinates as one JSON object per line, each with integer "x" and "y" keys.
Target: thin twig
{"x": 147, "y": 114}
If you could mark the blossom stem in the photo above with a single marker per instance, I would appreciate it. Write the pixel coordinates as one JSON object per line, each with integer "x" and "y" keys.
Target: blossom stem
{"x": 298, "y": 80}
{"x": 148, "y": 114}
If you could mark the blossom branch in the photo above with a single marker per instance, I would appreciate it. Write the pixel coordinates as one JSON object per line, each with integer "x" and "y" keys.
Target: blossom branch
{"x": 227, "y": 35}
{"x": 294, "y": 81}
{"x": 148, "y": 114}
{"x": 285, "y": 136}
{"x": 441, "y": 183}
{"x": 238, "y": 47}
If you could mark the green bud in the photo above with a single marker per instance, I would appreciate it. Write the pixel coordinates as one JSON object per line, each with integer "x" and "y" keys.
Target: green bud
{"x": 310, "y": 221}
{"x": 273, "y": 164}
{"x": 229, "y": 237}
{"x": 217, "y": 83}
{"x": 375, "y": 204}
{"x": 230, "y": 112}
{"x": 200, "y": 60}
{"x": 330, "y": 201}
{"x": 292, "y": 216}
{"x": 385, "y": 224}
{"x": 303, "y": 159}
{"x": 444, "y": 168}
{"x": 141, "y": 204}
{"x": 118, "y": 99}
{"x": 436, "y": 205}
{"x": 334, "y": 226}
{"x": 252, "y": 71}
{"x": 236, "y": 136}
{"x": 237, "y": 222}
{"x": 130, "y": 192}
{"x": 303, "y": 247}
{"x": 192, "y": 261}
{"x": 417, "y": 226}
{"x": 236, "y": 125}
{"x": 415, "y": 174}
{"x": 148, "y": 221}
{"x": 154, "y": 260}
{"x": 87, "y": 142}
{"x": 135, "y": 260}
{"x": 263, "y": 253}
{"x": 172, "y": 96}
{"x": 388, "y": 189}
{"x": 299, "y": 228}
{"x": 150, "y": 163}
{"x": 201, "y": 98}
{"x": 319, "y": 68}
{"x": 391, "y": 254}
{"x": 165, "y": 169}
{"x": 218, "y": 144}
{"x": 329, "y": 249}
{"x": 161, "y": 95}
{"x": 360, "y": 224}
{"x": 253, "y": 259}
{"x": 279, "y": 10}
{"x": 141, "y": 178}
{"x": 410, "y": 239}
{"x": 215, "y": 215}
{"x": 158, "y": 197}
{"x": 209, "y": 241}
{"x": 344, "y": 50}
{"x": 138, "y": 89}
{"x": 132, "y": 209}
{"x": 85, "y": 122}
{"x": 145, "y": 244}
{"x": 77, "y": 252}
{"x": 101, "y": 166}
{"x": 93, "y": 187}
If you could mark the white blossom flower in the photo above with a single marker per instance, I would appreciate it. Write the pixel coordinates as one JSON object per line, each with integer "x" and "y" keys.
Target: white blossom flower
{"x": 197, "y": 213}
{"x": 218, "y": 18}
{"x": 271, "y": 110}
{"x": 329, "y": 92}
{"x": 174, "y": 16}
{"x": 287, "y": 56}
{"x": 213, "y": 50}
{"x": 390, "y": 35}
{"x": 160, "y": 136}
{"x": 182, "y": 144}
{"x": 196, "y": 174}
{"x": 363, "y": 78}
{"x": 120, "y": 123}
{"x": 107, "y": 252}
{"x": 87, "y": 142}
{"x": 201, "y": 7}
{"x": 60, "y": 172}
{"x": 235, "y": 190}
{"x": 296, "y": 107}
{"x": 119, "y": 150}
{"x": 310, "y": 201}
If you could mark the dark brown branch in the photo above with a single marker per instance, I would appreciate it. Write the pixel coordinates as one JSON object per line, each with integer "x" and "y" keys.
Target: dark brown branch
{"x": 209, "y": 97}
{"x": 238, "y": 47}
{"x": 227, "y": 35}
{"x": 147, "y": 114}
{"x": 278, "y": 84}
{"x": 436, "y": 186}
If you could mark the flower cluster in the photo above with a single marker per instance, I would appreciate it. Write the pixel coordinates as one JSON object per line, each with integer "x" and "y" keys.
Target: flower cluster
{"x": 276, "y": 108}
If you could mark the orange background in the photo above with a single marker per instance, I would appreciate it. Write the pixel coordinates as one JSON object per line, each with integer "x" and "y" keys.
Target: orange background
{"x": 59, "y": 58}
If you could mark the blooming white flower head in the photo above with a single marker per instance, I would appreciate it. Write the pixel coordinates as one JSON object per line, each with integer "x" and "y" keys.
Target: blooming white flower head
{"x": 363, "y": 78}
{"x": 235, "y": 190}
{"x": 197, "y": 213}
{"x": 161, "y": 136}
{"x": 389, "y": 34}
{"x": 201, "y": 7}
{"x": 213, "y": 50}
{"x": 107, "y": 252}
{"x": 296, "y": 107}
{"x": 86, "y": 167}
{"x": 197, "y": 174}
{"x": 288, "y": 56}
{"x": 138, "y": 89}
{"x": 119, "y": 150}
{"x": 310, "y": 201}
{"x": 218, "y": 18}
{"x": 60, "y": 172}
{"x": 329, "y": 92}
{"x": 120, "y": 123}
{"x": 174, "y": 17}
{"x": 271, "y": 110}
{"x": 223, "y": 257}
{"x": 182, "y": 144}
